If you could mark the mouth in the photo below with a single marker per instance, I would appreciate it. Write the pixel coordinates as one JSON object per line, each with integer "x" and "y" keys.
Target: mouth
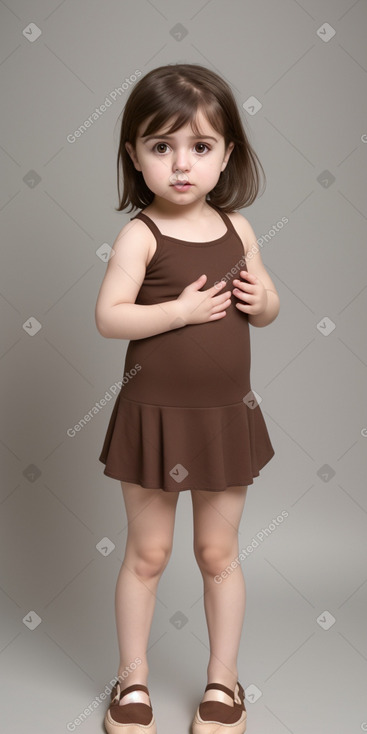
{"x": 181, "y": 184}
{"x": 179, "y": 179}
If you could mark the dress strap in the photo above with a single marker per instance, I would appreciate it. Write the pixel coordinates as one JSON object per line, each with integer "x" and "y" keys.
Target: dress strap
{"x": 158, "y": 234}
{"x": 149, "y": 222}
{"x": 225, "y": 218}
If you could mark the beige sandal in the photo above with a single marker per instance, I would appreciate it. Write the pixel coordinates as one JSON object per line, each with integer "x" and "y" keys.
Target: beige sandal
{"x": 131, "y": 718}
{"x": 215, "y": 717}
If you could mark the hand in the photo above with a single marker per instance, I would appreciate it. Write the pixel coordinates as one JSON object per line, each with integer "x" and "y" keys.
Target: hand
{"x": 252, "y": 295}
{"x": 197, "y": 307}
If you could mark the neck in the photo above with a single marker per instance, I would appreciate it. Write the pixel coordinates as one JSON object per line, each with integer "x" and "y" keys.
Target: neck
{"x": 166, "y": 209}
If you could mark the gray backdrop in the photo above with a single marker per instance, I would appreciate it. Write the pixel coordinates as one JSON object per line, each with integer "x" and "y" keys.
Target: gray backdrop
{"x": 298, "y": 70}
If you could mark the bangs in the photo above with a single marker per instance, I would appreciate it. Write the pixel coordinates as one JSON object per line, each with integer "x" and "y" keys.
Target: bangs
{"x": 180, "y": 112}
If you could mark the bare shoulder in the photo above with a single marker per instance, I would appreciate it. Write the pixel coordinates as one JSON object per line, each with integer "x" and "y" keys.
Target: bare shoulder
{"x": 243, "y": 229}
{"x": 135, "y": 237}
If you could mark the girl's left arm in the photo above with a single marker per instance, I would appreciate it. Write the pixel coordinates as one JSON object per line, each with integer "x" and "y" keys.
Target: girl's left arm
{"x": 256, "y": 294}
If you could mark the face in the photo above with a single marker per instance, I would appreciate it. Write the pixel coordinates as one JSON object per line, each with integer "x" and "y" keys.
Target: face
{"x": 166, "y": 160}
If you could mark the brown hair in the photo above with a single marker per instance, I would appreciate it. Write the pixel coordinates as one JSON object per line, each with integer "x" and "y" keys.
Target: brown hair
{"x": 178, "y": 92}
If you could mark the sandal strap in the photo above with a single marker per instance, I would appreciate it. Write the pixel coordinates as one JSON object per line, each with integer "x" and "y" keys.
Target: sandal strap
{"x": 241, "y": 693}
{"x": 135, "y": 687}
{"x": 221, "y": 688}
{"x": 118, "y": 694}
{"x": 230, "y": 693}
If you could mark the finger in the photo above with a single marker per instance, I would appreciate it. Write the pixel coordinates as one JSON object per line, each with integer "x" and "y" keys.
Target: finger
{"x": 220, "y": 284}
{"x": 238, "y": 293}
{"x": 243, "y": 294}
{"x": 242, "y": 307}
{"x": 249, "y": 276}
{"x": 249, "y": 287}
{"x": 248, "y": 298}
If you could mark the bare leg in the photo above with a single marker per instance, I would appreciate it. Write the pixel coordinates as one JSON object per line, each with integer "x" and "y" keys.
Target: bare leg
{"x": 151, "y": 518}
{"x": 217, "y": 517}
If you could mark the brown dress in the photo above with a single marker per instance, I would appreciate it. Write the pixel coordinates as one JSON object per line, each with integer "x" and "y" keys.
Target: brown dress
{"x": 185, "y": 417}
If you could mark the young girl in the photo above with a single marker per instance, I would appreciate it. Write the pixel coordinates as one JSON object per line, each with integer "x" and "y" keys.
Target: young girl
{"x": 180, "y": 288}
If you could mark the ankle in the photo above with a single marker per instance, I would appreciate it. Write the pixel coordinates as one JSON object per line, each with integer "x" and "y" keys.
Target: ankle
{"x": 128, "y": 678}
{"x": 225, "y": 679}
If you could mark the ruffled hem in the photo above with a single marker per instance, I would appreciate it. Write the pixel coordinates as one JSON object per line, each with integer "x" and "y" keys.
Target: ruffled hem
{"x": 178, "y": 449}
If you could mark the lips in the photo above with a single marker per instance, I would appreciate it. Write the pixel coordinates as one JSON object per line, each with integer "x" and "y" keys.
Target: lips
{"x": 179, "y": 177}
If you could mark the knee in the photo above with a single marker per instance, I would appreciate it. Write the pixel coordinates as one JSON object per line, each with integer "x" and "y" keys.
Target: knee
{"x": 214, "y": 558}
{"x": 150, "y": 561}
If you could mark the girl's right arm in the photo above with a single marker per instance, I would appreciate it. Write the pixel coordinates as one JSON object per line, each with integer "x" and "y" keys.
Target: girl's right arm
{"x": 117, "y": 315}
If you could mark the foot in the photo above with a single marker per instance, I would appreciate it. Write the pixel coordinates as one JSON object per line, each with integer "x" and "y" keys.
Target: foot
{"x": 218, "y": 708}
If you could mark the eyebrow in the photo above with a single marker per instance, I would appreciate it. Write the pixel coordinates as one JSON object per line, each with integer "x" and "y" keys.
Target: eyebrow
{"x": 169, "y": 137}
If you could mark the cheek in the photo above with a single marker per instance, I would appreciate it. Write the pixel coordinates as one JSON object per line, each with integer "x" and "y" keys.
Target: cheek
{"x": 213, "y": 173}
{"x": 211, "y": 165}
{"x": 157, "y": 167}
{"x": 216, "y": 163}
{"x": 155, "y": 173}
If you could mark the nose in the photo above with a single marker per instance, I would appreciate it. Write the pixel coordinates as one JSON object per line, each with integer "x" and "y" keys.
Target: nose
{"x": 181, "y": 160}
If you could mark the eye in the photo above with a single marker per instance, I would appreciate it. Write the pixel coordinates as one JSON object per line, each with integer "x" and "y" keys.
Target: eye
{"x": 160, "y": 146}
{"x": 203, "y": 145}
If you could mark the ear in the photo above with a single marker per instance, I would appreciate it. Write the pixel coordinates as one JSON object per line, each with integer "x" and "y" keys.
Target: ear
{"x": 227, "y": 155}
{"x": 132, "y": 155}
